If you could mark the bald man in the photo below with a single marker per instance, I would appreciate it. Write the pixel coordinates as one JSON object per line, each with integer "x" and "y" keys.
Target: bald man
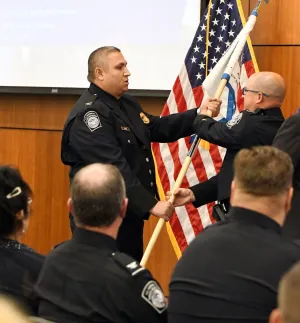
{"x": 257, "y": 125}
{"x": 109, "y": 126}
{"x": 86, "y": 279}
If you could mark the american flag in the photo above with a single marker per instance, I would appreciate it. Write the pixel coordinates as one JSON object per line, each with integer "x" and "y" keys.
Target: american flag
{"x": 218, "y": 28}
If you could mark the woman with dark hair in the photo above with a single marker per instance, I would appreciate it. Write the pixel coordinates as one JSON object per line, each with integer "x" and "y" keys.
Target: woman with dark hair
{"x": 19, "y": 265}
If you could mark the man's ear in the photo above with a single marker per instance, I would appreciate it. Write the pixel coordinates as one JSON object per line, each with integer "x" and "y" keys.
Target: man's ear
{"x": 260, "y": 98}
{"x": 99, "y": 73}
{"x": 288, "y": 200}
{"x": 275, "y": 316}
{"x": 232, "y": 191}
{"x": 70, "y": 206}
{"x": 124, "y": 208}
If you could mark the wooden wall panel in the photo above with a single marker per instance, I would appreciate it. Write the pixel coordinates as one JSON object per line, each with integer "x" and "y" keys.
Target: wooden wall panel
{"x": 245, "y": 5}
{"x": 34, "y": 111}
{"x": 277, "y": 23}
{"x": 284, "y": 60}
{"x": 36, "y": 154}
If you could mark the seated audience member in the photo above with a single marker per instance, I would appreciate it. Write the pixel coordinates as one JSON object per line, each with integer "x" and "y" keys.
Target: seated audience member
{"x": 19, "y": 265}
{"x": 231, "y": 271}
{"x": 288, "y": 140}
{"x": 288, "y": 298}
{"x": 86, "y": 279}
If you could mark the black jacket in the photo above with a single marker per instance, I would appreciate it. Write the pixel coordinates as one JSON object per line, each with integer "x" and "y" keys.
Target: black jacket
{"x": 246, "y": 130}
{"x": 288, "y": 139}
{"x": 19, "y": 269}
{"x": 102, "y": 129}
{"x": 85, "y": 280}
{"x": 230, "y": 272}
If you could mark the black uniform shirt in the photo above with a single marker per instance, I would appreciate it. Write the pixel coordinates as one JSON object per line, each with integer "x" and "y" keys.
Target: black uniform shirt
{"x": 83, "y": 281}
{"x": 102, "y": 129}
{"x": 231, "y": 271}
{"x": 288, "y": 139}
{"x": 246, "y": 130}
{"x": 19, "y": 269}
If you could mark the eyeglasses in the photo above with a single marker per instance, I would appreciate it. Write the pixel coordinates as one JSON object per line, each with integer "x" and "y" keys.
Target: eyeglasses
{"x": 245, "y": 90}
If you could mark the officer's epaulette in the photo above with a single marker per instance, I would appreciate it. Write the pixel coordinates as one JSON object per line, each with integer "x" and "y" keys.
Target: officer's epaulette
{"x": 90, "y": 100}
{"x": 127, "y": 262}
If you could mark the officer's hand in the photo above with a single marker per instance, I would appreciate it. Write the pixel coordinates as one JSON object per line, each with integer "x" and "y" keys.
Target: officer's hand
{"x": 210, "y": 107}
{"x": 163, "y": 209}
{"x": 182, "y": 196}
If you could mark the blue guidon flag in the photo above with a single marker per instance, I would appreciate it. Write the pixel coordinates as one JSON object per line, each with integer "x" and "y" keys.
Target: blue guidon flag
{"x": 217, "y": 30}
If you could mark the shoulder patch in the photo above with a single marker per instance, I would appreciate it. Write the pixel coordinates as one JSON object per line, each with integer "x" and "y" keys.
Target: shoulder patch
{"x": 234, "y": 121}
{"x": 92, "y": 120}
{"x": 154, "y": 296}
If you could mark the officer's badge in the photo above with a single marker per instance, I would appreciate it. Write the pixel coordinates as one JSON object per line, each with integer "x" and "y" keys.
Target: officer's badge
{"x": 235, "y": 120}
{"x": 92, "y": 120}
{"x": 154, "y": 296}
{"x": 144, "y": 118}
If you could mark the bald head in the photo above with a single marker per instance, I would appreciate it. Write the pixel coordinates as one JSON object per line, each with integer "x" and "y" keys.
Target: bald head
{"x": 97, "y": 193}
{"x": 98, "y": 58}
{"x": 269, "y": 83}
{"x": 95, "y": 176}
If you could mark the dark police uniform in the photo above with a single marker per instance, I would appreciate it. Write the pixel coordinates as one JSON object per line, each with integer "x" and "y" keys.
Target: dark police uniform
{"x": 102, "y": 129}
{"x": 19, "y": 270}
{"x": 288, "y": 139}
{"x": 230, "y": 272}
{"x": 85, "y": 280}
{"x": 246, "y": 130}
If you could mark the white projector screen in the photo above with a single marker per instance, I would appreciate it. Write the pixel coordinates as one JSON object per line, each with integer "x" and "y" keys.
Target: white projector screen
{"x": 47, "y": 43}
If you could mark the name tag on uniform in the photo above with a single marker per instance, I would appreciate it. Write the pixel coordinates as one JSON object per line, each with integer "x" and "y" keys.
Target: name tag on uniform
{"x": 125, "y": 128}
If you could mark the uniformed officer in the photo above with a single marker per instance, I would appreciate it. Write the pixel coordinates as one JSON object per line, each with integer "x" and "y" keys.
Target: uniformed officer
{"x": 288, "y": 139}
{"x": 109, "y": 126}
{"x": 230, "y": 272}
{"x": 256, "y": 125}
{"x": 86, "y": 279}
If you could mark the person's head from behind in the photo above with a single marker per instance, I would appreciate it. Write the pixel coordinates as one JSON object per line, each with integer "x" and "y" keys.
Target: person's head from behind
{"x": 15, "y": 199}
{"x": 11, "y": 312}
{"x": 98, "y": 198}
{"x": 288, "y": 310}
{"x": 264, "y": 90}
{"x": 263, "y": 181}
{"x": 107, "y": 68}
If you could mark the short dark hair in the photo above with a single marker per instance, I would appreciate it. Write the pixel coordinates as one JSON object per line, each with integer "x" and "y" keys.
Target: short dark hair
{"x": 263, "y": 171}
{"x": 94, "y": 59}
{"x": 98, "y": 205}
{"x": 14, "y": 196}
